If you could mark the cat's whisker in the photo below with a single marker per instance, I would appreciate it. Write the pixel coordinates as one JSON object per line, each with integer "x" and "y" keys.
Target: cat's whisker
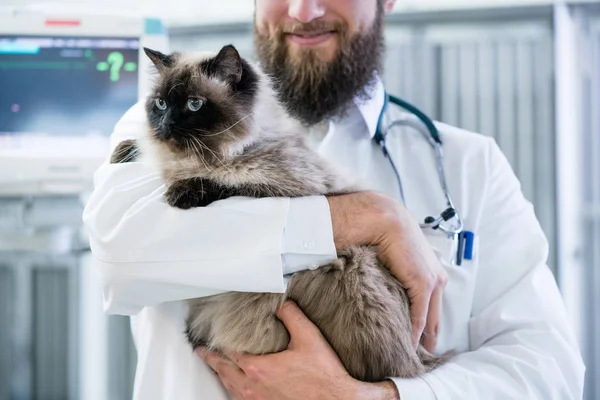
{"x": 189, "y": 150}
{"x": 199, "y": 157}
{"x": 193, "y": 156}
{"x": 215, "y": 156}
{"x": 199, "y": 130}
{"x": 204, "y": 146}
{"x": 225, "y": 130}
{"x": 204, "y": 159}
{"x": 201, "y": 146}
{"x": 199, "y": 149}
{"x": 193, "y": 151}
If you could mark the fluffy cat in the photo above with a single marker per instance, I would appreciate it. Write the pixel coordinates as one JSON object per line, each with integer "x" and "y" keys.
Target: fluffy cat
{"x": 216, "y": 131}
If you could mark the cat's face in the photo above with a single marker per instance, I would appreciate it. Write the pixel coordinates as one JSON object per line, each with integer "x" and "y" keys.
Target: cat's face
{"x": 201, "y": 107}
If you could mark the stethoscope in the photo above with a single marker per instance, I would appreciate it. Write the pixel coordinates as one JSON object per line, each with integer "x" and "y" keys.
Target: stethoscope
{"x": 432, "y": 135}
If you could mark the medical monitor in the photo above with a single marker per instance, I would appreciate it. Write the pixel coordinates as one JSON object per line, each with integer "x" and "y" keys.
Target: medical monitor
{"x": 56, "y": 86}
{"x": 64, "y": 84}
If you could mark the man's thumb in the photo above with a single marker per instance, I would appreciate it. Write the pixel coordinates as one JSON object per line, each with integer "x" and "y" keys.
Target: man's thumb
{"x": 301, "y": 329}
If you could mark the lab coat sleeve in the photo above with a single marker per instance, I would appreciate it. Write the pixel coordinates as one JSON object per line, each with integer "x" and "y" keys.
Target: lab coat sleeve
{"x": 308, "y": 235}
{"x": 148, "y": 253}
{"x": 521, "y": 343}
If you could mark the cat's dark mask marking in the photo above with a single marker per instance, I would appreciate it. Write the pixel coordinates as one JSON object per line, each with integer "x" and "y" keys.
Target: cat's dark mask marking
{"x": 226, "y": 85}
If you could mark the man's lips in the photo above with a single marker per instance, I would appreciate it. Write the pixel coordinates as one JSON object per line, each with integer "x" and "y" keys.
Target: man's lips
{"x": 310, "y": 38}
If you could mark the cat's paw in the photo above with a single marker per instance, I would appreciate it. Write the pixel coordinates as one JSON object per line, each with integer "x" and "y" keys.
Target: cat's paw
{"x": 195, "y": 192}
{"x": 186, "y": 195}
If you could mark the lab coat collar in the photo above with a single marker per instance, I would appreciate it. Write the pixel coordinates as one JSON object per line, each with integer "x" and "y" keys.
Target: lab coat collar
{"x": 370, "y": 109}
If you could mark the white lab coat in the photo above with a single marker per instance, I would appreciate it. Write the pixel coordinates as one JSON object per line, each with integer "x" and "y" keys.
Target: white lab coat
{"x": 502, "y": 312}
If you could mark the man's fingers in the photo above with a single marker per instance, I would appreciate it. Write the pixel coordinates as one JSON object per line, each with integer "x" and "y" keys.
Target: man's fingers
{"x": 234, "y": 394}
{"x": 433, "y": 320}
{"x": 211, "y": 358}
{"x": 244, "y": 361}
{"x": 231, "y": 376}
{"x": 301, "y": 329}
{"x": 215, "y": 360}
{"x": 234, "y": 381}
{"x": 418, "y": 314}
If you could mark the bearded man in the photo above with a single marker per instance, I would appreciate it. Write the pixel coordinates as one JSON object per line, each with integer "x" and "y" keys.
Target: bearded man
{"x": 503, "y": 314}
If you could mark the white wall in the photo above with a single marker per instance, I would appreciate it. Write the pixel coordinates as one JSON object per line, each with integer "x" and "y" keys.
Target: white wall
{"x": 187, "y": 12}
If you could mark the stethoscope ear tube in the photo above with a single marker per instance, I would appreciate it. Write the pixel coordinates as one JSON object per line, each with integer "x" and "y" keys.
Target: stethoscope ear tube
{"x": 433, "y": 131}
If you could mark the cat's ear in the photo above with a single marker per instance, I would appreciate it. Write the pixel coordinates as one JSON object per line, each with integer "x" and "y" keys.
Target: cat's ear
{"x": 160, "y": 60}
{"x": 228, "y": 65}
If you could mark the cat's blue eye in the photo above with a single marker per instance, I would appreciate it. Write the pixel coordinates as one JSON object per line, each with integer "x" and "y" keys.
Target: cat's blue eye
{"x": 160, "y": 104}
{"x": 194, "y": 104}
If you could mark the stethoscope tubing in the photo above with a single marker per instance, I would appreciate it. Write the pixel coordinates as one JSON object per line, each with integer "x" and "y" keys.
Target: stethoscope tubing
{"x": 434, "y": 139}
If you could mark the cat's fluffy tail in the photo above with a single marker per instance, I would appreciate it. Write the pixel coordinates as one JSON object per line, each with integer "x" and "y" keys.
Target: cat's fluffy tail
{"x": 431, "y": 361}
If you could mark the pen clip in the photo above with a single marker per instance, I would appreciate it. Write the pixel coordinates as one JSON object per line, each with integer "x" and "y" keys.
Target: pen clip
{"x": 460, "y": 248}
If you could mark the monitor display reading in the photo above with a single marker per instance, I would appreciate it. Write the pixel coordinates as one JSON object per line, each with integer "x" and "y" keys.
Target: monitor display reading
{"x": 66, "y": 86}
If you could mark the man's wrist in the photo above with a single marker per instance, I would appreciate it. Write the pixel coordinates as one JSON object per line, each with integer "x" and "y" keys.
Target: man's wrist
{"x": 358, "y": 218}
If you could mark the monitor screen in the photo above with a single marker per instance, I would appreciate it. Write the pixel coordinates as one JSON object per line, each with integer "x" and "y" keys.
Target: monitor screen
{"x": 66, "y": 86}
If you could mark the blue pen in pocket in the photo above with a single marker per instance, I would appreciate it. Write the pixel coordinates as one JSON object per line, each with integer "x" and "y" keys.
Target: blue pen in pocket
{"x": 469, "y": 239}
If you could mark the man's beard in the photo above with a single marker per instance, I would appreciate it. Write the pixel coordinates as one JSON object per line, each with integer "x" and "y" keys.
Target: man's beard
{"x": 314, "y": 90}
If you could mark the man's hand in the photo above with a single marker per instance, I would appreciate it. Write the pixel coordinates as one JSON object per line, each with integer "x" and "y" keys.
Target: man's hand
{"x": 308, "y": 370}
{"x": 368, "y": 218}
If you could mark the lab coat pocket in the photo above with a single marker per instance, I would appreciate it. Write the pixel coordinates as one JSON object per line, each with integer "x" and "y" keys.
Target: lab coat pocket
{"x": 447, "y": 250}
{"x": 455, "y": 315}
{"x": 444, "y": 247}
